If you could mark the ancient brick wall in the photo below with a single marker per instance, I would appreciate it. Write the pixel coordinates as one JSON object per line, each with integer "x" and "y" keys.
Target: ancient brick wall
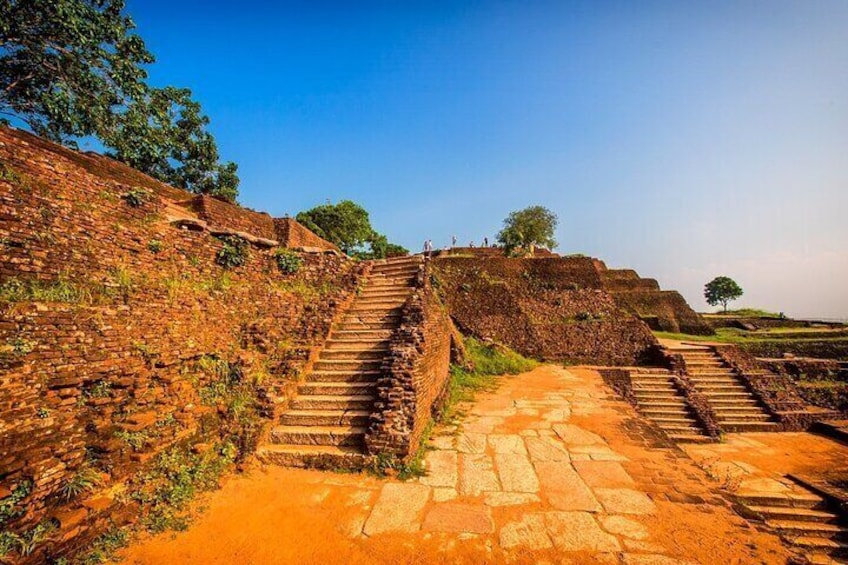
{"x": 223, "y": 215}
{"x": 662, "y": 310}
{"x": 292, "y": 234}
{"x": 106, "y": 310}
{"x": 550, "y": 308}
{"x": 415, "y": 376}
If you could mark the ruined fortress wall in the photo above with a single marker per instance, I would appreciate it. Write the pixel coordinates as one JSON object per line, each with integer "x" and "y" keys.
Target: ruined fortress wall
{"x": 107, "y": 310}
{"x": 293, "y": 235}
{"x": 549, "y": 308}
{"x": 661, "y": 309}
{"x": 415, "y": 378}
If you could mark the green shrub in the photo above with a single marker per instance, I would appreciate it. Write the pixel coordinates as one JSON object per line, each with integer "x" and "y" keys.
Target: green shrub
{"x": 84, "y": 480}
{"x": 136, "y": 197}
{"x": 584, "y": 316}
{"x": 9, "y": 506}
{"x": 135, "y": 440}
{"x": 154, "y": 245}
{"x": 288, "y": 261}
{"x": 234, "y": 253}
{"x": 60, "y": 290}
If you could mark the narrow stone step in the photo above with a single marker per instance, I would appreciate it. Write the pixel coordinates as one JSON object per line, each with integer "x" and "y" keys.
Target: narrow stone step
{"x": 377, "y": 308}
{"x": 312, "y": 456}
{"x": 737, "y": 426}
{"x": 665, "y": 412}
{"x": 318, "y": 435}
{"x": 354, "y": 354}
{"x": 742, "y": 416}
{"x": 343, "y": 376}
{"x": 726, "y": 395}
{"x": 814, "y": 542}
{"x": 333, "y": 402}
{"x": 805, "y": 528}
{"x": 681, "y": 421}
{"x": 690, "y": 438}
{"x": 344, "y": 335}
{"x": 325, "y": 418}
{"x": 780, "y": 500}
{"x": 347, "y": 365}
{"x": 358, "y": 343}
{"x": 795, "y": 514}
{"x": 320, "y": 388}
{"x": 739, "y": 402}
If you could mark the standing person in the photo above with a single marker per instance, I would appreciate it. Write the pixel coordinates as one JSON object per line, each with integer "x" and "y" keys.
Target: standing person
{"x": 426, "y": 245}
{"x": 453, "y": 241}
{"x": 485, "y": 242}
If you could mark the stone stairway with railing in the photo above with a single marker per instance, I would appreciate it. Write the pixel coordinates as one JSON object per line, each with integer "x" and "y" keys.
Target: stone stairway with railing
{"x": 326, "y": 423}
{"x": 659, "y": 400}
{"x": 737, "y": 408}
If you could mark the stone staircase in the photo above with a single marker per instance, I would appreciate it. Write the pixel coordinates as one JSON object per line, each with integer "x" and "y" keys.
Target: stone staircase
{"x": 326, "y": 423}
{"x": 803, "y": 520}
{"x": 659, "y": 400}
{"x": 736, "y": 408}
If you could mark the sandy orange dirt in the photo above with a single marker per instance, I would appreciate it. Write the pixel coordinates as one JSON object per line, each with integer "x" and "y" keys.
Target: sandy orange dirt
{"x": 549, "y": 468}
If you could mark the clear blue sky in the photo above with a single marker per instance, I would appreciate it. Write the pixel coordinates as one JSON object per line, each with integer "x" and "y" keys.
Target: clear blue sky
{"x": 682, "y": 139}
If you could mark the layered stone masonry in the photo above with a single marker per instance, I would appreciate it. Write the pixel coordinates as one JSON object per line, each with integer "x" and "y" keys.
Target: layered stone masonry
{"x": 106, "y": 308}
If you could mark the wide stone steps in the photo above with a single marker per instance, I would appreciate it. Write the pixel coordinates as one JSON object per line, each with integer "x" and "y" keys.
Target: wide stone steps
{"x": 326, "y": 422}
{"x": 660, "y": 402}
{"x": 803, "y": 520}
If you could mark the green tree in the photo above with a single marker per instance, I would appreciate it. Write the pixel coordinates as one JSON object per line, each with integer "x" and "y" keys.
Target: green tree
{"x": 348, "y": 225}
{"x": 528, "y": 228}
{"x": 162, "y": 134}
{"x": 722, "y": 290}
{"x": 74, "y": 68}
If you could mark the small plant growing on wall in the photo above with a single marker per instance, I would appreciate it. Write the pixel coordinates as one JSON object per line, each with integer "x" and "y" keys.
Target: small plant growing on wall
{"x": 234, "y": 253}
{"x": 136, "y": 197}
{"x": 288, "y": 261}
{"x": 154, "y": 245}
{"x": 84, "y": 480}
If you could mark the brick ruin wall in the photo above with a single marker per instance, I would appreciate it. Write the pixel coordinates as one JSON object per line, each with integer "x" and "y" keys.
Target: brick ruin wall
{"x": 415, "y": 376}
{"x": 663, "y": 310}
{"x": 292, "y": 234}
{"x": 549, "y": 308}
{"x": 127, "y": 305}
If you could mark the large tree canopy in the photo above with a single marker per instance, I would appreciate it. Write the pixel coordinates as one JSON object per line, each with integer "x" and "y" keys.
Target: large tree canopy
{"x": 73, "y": 68}
{"x": 348, "y": 225}
{"x": 721, "y": 290}
{"x": 528, "y": 228}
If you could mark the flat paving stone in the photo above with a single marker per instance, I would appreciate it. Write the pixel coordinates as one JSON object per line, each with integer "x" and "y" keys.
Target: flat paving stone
{"x": 652, "y": 559}
{"x": 516, "y": 473}
{"x": 575, "y": 435}
{"x": 454, "y": 517}
{"x": 397, "y": 509}
{"x": 528, "y": 533}
{"x": 546, "y": 449}
{"x": 496, "y": 499}
{"x": 477, "y": 475}
{"x": 442, "y": 469}
{"x": 564, "y": 488}
{"x": 603, "y": 474}
{"x": 622, "y": 526}
{"x": 507, "y": 444}
{"x": 578, "y": 531}
{"x": 625, "y": 501}
{"x": 471, "y": 442}
{"x": 443, "y": 494}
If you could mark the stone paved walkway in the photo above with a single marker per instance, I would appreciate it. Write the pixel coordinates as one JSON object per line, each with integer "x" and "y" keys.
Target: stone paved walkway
{"x": 550, "y": 468}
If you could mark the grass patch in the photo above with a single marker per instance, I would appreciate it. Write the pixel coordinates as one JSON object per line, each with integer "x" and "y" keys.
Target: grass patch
{"x": 747, "y": 313}
{"x": 488, "y": 362}
{"x": 60, "y": 290}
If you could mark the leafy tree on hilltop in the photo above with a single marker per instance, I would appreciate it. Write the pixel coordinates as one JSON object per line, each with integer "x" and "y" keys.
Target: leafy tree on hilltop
{"x": 348, "y": 225}
{"x": 73, "y": 68}
{"x": 528, "y": 228}
{"x": 722, "y": 290}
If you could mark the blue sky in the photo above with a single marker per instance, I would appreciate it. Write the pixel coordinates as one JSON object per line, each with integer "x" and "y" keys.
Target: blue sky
{"x": 683, "y": 139}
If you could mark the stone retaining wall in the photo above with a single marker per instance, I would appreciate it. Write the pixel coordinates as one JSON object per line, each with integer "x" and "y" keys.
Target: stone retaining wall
{"x": 415, "y": 376}
{"x": 106, "y": 311}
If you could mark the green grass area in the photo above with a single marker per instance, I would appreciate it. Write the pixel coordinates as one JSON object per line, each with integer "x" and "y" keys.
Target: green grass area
{"x": 746, "y": 313}
{"x": 724, "y": 335}
{"x": 488, "y": 362}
